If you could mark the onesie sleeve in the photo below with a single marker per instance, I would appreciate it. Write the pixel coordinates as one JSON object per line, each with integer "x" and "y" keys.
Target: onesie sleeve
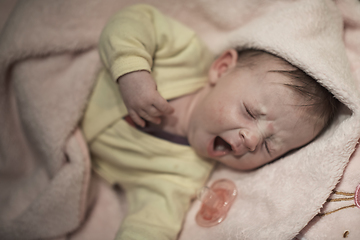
{"x": 137, "y": 35}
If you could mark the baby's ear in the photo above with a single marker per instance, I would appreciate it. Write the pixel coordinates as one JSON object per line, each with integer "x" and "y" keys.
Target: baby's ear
{"x": 222, "y": 65}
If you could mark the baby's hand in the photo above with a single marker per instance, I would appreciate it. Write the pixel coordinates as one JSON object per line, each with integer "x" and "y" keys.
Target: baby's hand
{"x": 141, "y": 98}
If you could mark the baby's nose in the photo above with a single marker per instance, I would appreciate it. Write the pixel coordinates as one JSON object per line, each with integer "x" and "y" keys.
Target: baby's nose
{"x": 251, "y": 139}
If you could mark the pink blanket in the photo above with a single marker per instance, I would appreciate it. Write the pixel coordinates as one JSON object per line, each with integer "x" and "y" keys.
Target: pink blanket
{"x": 48, "y": 64}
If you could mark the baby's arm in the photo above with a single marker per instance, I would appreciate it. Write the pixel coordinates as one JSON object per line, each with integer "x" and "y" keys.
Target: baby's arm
{"x": 142, "y": 100}
{"x": 128, "y": 45}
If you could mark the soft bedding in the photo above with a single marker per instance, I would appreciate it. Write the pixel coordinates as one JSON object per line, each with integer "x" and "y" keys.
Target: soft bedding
{"x": 48, "y": 65}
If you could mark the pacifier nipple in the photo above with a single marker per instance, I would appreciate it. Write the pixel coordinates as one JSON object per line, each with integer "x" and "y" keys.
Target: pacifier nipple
{"x": 216, "y": 202}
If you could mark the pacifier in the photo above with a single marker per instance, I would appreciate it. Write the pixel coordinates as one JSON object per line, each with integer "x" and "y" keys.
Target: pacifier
{"x": 216, "y": 202}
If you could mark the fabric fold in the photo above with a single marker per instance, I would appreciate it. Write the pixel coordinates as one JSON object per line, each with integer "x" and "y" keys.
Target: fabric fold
{"x": 48, "y": 65}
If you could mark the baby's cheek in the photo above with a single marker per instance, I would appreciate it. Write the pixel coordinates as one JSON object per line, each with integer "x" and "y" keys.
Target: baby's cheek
{"x": 214, "y": 113}
{"x": 270, "y": 127}
{"x": 221, "y": 114}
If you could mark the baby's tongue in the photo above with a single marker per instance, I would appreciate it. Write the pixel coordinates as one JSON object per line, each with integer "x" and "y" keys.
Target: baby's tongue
{"x": 221, "y": 145}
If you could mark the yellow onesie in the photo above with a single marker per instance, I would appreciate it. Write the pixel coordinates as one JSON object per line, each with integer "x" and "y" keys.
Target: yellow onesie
{"x": 160, "y": 177}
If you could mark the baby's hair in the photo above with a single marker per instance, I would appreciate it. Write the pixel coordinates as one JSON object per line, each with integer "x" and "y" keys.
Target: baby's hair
{"x": 318, "y": 100}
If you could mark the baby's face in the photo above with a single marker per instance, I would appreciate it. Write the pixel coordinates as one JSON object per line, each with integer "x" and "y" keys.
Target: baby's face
{"x": 247, "y": 117}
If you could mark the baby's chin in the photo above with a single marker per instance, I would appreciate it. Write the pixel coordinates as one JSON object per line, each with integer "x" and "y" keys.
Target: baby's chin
{"x": 200, "y": 150}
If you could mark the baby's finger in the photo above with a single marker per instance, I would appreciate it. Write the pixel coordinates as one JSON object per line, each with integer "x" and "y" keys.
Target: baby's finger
{"x": 163, "y": 106}
{"x": 149, "y": 118}
{"x": 153, "y": 111}
{"x": 135, "y": 117}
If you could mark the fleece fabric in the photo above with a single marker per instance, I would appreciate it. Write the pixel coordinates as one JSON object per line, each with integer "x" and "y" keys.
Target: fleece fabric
{"x": 48, "y": 65}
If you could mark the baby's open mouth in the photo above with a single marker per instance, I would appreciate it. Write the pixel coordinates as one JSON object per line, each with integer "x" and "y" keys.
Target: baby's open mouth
{"x": 221, "y": 145}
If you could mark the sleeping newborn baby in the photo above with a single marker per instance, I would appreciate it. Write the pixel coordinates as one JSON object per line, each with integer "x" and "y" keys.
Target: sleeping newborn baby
{"x": 177, "y": 109}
